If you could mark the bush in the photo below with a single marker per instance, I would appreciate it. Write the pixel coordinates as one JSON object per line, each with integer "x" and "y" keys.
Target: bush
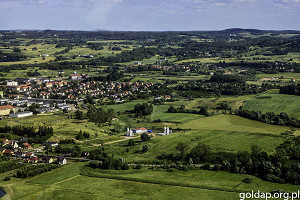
{"x": 145, "y": 137}
{"x": 6, "y": 178}
{"x": 206, "y": 166}
{"x": 247, "y": 180}
{"x": 145, "y": 148}
{"x": 217, "y": 167}
{"x": 125, "y": 166}
{"x": 131, "y": 142}
{"x": 138, "y": 166}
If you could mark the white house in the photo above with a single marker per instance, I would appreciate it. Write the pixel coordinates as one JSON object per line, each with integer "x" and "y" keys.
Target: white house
{"x": 140, "y": 130}
{"x": 61, "y": 161}
{"x": 12, "y": 83}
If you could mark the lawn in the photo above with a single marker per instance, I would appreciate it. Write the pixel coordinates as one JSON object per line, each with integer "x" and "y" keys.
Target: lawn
{"x": 276, "y": 103}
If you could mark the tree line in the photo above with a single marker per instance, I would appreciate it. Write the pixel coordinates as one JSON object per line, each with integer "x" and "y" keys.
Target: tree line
{"x": 281, "y": 119}
{"x": 39, "y": 136}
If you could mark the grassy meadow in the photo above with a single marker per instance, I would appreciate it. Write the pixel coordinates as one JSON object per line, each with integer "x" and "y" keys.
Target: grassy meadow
{"x": 75, "y": 181}
{"x": 276, "y": 103}
{"x": 232, "y": 123}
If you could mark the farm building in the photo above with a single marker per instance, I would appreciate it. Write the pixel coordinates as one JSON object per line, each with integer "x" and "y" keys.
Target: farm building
{"x": 129, "y": 132}
{"x": 140, "y": 130}
{"x": 5, "y": 110}
{"x": 21, "y": 114}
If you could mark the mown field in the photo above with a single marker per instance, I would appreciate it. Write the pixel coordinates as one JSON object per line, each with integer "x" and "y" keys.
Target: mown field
{"x": 75, "y": 181}
{"x": 276, "y": 103}
{"x": 232, "y": 123}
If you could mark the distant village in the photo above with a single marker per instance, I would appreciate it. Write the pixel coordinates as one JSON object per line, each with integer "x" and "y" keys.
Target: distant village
{"x": 53, "y": 95}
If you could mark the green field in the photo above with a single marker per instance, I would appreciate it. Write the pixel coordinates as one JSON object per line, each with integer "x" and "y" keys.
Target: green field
{"x": 233, "y": 123}
{"x": 227, "y": 141}
{"x": 71, "y": 182}
{"x": 62, "y": 126}
{"x": 276, "y": 103}
{"x": 160, "y": 113}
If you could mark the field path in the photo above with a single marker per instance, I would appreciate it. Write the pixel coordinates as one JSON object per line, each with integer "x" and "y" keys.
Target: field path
{"x": 66, "y": 179}
{"x": 116, "y": 141}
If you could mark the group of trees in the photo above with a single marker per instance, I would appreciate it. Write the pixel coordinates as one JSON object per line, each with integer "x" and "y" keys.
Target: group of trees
{"x": 282, "y": 166}
{"x": 82, "y": 135}
{"x": 290, "y": 89}
{"x": 73, "y": 151}
{"x": 34, "y": 170}
{"x": 8, "y": 166}
{"x": 270, "y": 117}
{"x": 67, "y": 141}
{"x": 206, "y": 89}
{"x": 203, "y": 110}
{"x": 32, "y": 136}
{"x": 114, "y": 74}
{"x": 110, "y": 163}
{"x": 98, "y": 115}
{"x": 141, "y": 110}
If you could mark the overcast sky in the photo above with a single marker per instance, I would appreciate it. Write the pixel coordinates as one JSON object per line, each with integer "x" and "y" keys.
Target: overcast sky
{"x": 149, "y": 15}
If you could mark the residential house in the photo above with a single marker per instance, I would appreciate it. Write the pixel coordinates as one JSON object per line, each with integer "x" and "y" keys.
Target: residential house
{"x": 26, "y": 145}
{"x": 5, "y": 110}
{"x": 47, "y": 159}
{"x": 33, "y": 159}
{"x": 140, "y": 130}
{"x": 61, "y": 161}
{"x": 28, "y": 155}
{"x": 9, "y": 152}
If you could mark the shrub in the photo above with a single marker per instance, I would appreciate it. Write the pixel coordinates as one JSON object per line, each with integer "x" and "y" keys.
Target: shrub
{"x": 138, "y": 166}
{"x": 247, "y": 180}
{"x": 131, "y": 142}
{"x": 6, "y": 178}
{"x": 145, "y": 148}
{"x": 145, "y": 137}
{"x": 125, "y": 166}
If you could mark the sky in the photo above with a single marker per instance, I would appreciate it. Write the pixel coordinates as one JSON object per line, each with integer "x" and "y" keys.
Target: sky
{"x": 149, "y": 15}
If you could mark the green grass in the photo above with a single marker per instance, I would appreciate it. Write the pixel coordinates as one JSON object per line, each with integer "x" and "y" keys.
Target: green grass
{"x": 58, "y": 175}
{"x": 276, "y": 103}
{"x": 233, "y": 123}
{"x": 160, "y": 112}
{"x": 227, "y": 141}
{"x": 216, "y": 180}
{"x": 62, "y": 126}
{"x": 66, "y": 183}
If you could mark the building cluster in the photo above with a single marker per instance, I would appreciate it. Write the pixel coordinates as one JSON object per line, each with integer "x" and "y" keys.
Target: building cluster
{"x": 20, "y": 150}
{"x": 9, "y": 107}
{"x": 173, "y": 68}
{"x": 131, "y": 132}
{"x": 71, "y": 90}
